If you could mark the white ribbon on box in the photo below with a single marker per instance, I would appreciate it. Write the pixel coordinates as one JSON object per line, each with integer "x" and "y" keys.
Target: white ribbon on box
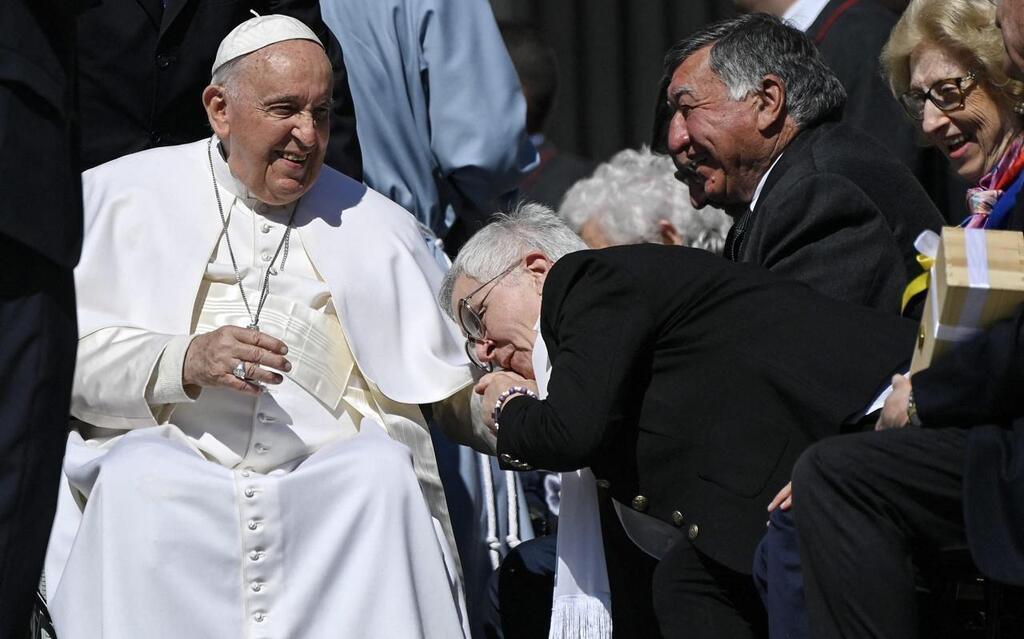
{"x": 976, "y": 253}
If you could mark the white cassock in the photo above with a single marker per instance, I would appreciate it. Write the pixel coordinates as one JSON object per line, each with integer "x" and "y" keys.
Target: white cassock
{"x": 313, "y": 510}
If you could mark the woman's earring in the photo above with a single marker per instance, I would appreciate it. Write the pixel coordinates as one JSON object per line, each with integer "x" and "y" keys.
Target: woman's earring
{"x": 1019, "y": 108}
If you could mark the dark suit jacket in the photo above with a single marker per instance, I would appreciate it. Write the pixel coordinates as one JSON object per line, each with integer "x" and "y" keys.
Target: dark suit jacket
{"x": 695, "y": 383}
{"x": 838, "y": 213}
{"x": 850, "y": 35}
{"x": 142, "y": 71}
{"x": 40, "y": 189}
{"x": 982, "y": 382}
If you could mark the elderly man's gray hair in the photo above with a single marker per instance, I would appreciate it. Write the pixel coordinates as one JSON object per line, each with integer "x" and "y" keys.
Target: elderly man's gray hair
{"x": 629, "y": 194}
{"x": 506, "y": 240}
{"x": 746, "y": 49}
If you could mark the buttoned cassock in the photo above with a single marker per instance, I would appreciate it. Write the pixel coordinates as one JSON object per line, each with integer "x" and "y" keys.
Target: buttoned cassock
{"x": 306, "y": 495}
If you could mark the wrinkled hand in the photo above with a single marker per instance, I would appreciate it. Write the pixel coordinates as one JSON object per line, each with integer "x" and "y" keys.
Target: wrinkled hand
{"x": 784, "y": 499}
{"x": 894, "y": 412}
{"x": 493, "y": 384}
{"x": 211, "y": 358}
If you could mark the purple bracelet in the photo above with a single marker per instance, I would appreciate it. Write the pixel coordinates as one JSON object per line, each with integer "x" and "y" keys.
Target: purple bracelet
{"x": 504, "y": 397}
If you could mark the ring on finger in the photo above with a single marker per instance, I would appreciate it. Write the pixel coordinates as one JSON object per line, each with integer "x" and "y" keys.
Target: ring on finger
{"x": 239, "y": 371}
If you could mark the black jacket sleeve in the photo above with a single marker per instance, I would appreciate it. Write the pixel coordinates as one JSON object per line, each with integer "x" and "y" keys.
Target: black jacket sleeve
{"x": 978, "y": 382}
{"x": 596, "y": 324}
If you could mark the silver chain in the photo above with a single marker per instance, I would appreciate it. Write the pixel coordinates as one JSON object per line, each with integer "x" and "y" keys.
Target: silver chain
{"x": 254, "y": 320}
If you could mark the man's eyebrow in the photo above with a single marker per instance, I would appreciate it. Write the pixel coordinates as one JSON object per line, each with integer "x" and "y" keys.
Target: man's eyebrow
{"x": 680, "y": 91}
{"x": 292, "y": 99}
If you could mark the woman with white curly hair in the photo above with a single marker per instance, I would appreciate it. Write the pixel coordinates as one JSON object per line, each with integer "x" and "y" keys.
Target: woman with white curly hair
{"x": 634, "y": 198}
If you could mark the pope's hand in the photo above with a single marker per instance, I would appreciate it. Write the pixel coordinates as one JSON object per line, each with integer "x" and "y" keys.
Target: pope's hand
{"x": 894, "y": 412}
{"x": 211, "y": 359}
{"x": 492, "y": 385}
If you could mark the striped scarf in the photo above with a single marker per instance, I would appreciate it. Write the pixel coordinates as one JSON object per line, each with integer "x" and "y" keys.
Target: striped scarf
{"x": 981, "y": 198}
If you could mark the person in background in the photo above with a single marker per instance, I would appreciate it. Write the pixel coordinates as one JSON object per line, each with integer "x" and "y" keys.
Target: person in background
{"x": 440, "y": 114}
{"x": 142, "y": 64}
{"x": 537, "y": 67}
{"x": 40, "y": 240}
{"x": 947, "y": 469}
{"x": 634, "y": 198}
{"x": 945, "y": 61}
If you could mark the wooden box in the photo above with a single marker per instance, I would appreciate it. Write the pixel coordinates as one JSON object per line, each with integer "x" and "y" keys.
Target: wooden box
{"x": 977, "y": 280}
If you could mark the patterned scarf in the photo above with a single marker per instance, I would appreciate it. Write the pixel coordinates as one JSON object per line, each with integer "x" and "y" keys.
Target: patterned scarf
{"x": 981, "y": 198}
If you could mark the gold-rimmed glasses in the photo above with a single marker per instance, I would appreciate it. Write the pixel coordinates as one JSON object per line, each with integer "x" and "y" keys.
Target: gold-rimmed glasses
{"x": 948, "y": 94}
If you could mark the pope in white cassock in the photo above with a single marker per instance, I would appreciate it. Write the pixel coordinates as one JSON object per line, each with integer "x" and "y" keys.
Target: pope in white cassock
{"x": 257, "y": 332}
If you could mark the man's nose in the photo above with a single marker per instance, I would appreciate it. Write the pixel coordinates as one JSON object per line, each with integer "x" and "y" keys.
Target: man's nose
{"x": 678, "y": 134}
{"x": 484, "y": 351}
{"x": 305, "y": 129}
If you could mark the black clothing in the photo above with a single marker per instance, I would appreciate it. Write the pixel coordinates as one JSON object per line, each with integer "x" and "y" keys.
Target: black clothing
{"x": 143, "y": 68}
{"x": 40, "y": 241}
{"x": 838, "y": 213}
{"x": 850, "y": 35}
{"x": 860, "y": 502}
{"x": 692, "y": 384}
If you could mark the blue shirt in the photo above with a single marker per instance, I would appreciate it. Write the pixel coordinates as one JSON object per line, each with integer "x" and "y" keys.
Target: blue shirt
{"x": 439, "y": 111}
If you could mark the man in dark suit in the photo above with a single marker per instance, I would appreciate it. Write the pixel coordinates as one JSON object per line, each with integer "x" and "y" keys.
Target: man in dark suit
{"x": 754, "y": 130}
{"x": 141, "y": 64}
{"x": 40, "y": 238}
{"x": 689, "y": 384}
{"x": 850, "y": 35}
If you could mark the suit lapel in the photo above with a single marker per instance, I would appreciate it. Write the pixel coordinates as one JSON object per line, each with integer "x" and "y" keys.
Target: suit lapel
{"x": 154, "y": 9}
{"x": 171, "y": 11}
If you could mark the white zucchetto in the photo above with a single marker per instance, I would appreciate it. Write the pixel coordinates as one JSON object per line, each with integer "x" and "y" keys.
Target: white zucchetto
{"x": 256, "y": 33}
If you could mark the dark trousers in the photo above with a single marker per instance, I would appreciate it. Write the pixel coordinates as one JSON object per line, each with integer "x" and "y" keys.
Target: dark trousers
{"x": 37, "y": 358}
{"x": 698, "y": 598}
{"x": 863, "y": 504}
{"x": 779, "y": 579}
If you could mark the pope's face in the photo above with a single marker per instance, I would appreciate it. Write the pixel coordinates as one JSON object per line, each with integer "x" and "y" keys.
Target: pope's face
{"x": 276, "y": 128}
{"x": 509, "y": 308}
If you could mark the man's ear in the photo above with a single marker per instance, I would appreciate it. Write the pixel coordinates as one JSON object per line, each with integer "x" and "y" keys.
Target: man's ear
{"x": 537, "y": 266}
{"x": 215, "y": 103}
{"x": 669, "y": 233}
{"x": 771, "y": 103}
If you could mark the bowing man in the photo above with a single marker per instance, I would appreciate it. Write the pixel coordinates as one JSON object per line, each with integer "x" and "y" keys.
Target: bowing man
{"x": 257, "y": 330}
{"x": 687, "y": 383}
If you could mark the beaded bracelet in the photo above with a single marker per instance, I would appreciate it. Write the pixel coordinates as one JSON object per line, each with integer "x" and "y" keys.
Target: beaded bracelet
{"x": 504, "y": 397}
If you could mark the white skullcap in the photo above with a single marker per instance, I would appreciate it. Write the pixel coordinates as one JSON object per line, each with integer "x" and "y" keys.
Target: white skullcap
{"x": 256, "y": 33}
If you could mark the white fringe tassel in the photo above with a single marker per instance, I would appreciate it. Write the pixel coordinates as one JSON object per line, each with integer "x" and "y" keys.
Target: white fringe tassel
{"x": 580, "y": 617}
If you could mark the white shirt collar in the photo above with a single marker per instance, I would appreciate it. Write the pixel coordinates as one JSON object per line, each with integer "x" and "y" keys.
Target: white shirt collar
{"x": 760, "y": 184}
{"x": 802, "y": 13}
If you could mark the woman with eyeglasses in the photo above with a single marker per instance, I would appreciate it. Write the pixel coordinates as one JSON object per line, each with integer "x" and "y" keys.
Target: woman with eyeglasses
{"x": 945, "y": 63}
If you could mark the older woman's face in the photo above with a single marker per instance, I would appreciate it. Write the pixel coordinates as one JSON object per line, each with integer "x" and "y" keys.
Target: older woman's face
{"x": 972, "y": 137}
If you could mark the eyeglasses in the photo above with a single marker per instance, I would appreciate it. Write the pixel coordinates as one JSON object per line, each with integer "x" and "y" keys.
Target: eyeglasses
{"x": 472, "y": 322}
{"x": 946, "y": 95}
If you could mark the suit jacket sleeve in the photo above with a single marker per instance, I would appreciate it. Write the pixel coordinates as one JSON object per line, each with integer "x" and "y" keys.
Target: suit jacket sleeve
{"x": 978, "y": 382}
{"x": 476, "y": 106}
{"x": 343, "y": 152}
{"x": 825, "y": 230}
{"x": 596, "y": 325}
